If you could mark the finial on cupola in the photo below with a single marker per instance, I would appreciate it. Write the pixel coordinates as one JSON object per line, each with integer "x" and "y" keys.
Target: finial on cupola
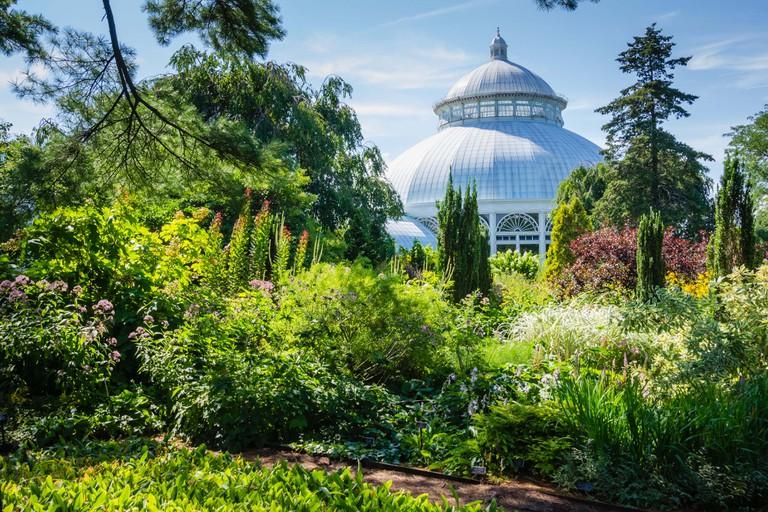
{"x": 498, "y": 46}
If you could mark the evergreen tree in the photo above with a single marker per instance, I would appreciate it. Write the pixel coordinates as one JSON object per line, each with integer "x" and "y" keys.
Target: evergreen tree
{"x": 569, "y": 222}
{"x": 448, "y": 218}
{"x": 650, "y": 263}
{"x": 462, "y": 242}
{"x": 649, "y": 167}
{"x": 734, "y": 240}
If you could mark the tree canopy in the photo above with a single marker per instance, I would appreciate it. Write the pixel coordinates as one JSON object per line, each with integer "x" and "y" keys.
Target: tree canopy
{"x": 649, "y": 167}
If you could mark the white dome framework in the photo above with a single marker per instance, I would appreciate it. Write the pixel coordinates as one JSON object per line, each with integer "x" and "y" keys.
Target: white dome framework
{"x": 501, "y": 129}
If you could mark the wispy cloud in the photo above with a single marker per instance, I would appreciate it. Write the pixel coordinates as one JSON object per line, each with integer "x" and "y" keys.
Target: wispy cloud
{"x": 390, "y": 110}
{"x": 744, "y": 57}
{"x": 414, "y": 66}
{"x": 434, "y": 13}
{"x": 668, "y": 15}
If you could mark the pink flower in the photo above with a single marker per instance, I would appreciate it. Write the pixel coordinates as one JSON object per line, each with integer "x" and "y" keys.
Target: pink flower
{"x": 148, "y": 319}
{"x": 112, "y": 342}
{"x": 22, "y": 280}
{"x": 104, "y": 306}
{"x": 267, "y": 286}
{"x": 6, "y": 285}
{"x": 77, "y": 290}
{"x": 115, "y": 355}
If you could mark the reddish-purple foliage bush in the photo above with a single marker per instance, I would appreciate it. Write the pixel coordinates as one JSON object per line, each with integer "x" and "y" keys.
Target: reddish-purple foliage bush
{"x": 605, "y": 259}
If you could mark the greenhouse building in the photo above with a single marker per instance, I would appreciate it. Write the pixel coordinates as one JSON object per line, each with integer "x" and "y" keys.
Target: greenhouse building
{"x": 500, "y": 127}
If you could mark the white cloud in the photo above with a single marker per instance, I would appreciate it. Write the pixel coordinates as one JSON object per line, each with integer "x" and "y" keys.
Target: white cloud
{"x": 433, "y": 13}
{"x": 407, "y": 68}
{"x": 668, "y": 15}
{"x": 389, "y": 110}
{"x": 744, "y": 58}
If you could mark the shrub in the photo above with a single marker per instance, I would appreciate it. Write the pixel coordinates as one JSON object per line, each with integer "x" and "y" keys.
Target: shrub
{"x": 227, "y": 386}
{"x": 605, "y": 259}
{"x": 50, "y": 345}
{"x": 377, "y": 326}
{"x": 507, "y": 262}
{"x": 515, "y": 438}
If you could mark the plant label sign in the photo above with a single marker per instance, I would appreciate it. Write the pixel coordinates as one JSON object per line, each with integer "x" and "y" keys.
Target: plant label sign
{"x": 478, "y": 470}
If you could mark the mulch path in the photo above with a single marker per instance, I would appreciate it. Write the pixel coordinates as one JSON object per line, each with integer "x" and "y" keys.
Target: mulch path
{"x": 511, "y": 495}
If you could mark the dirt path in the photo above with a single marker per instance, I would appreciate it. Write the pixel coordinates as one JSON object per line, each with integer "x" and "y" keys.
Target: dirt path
{"x": 512, "y": 495}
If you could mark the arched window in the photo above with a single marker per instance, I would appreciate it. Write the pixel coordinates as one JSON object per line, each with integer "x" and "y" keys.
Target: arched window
{"x": 430, "y": 223}
{"x": 517, "y": 223}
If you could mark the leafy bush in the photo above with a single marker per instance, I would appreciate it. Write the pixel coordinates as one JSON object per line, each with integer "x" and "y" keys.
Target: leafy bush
{"x": 517, "y": 437}
{"x": 156, "y": 478}
{"x": 225, "y": 385}
{"x": 582, "y": 333}
{"x": 50, "y": 345}
{"x": 507, "y": 262}
{"x": 377, "y": 326}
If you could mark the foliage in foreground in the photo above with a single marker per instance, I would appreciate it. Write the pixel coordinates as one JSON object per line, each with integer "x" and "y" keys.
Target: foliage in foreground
{"x": 144, "y": 476}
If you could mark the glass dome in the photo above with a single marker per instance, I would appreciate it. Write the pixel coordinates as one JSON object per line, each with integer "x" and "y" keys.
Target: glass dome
{"x": 501, "y": 129}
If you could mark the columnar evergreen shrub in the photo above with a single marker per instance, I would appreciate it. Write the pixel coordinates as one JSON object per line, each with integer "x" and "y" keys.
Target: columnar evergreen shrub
{"x": 650, "y": 263}
{"x": 569, "y": 222}
{"x": 463, "y": 243}
{"x": 734, "y": 240}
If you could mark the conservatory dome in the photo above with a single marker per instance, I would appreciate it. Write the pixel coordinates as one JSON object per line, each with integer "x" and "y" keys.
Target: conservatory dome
{"x": 501, "y": 129}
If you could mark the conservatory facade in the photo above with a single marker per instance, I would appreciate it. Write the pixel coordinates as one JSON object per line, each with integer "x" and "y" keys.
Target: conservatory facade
{"x": 500, "y": 128}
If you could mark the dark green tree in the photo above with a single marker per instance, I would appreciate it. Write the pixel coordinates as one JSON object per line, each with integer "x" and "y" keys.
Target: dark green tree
{"x": 650, "y": 263}
{"x": 749, "y": 143}
{"x": 92, "y": 79}
{"x": 649, "y": 167}
{"x": 463, "y": 243}
{"x": 734, "y": 240}
{"x": 21, "y": 31}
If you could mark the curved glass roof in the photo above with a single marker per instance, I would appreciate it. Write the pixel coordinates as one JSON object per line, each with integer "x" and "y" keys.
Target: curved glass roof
{"x": 407, "y": 230}
{"x": 499, "y": 77}
{"x": 508, "y": 159}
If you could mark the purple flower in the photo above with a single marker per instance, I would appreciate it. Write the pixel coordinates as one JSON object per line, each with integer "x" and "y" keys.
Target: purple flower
{"x": 104, "y": 306}
{"x": 6, "y": 285}
{"x": 148, "y": 319}
{"x": 82, "y": 309}
{"x": 267, "y": 286}
{"x": 115, "y": 355}
{"x": 17, "y": 295}
{"x": 22, "y": 280}
{"x": 425, "y": 328}
{"x": 77, "y": 290}
{"x": 112, "y": 342}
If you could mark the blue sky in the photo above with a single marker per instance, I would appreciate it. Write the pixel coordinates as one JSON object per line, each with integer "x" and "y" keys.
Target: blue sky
{"x": 402, "y": 56}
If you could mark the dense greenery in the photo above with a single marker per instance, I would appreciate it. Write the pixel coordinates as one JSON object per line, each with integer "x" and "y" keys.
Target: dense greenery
{"x": 154, "y": 477}
{"x": 251, "y": 296}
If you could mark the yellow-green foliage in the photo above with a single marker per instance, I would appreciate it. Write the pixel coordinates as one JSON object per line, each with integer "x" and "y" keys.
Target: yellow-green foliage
{"x": 158, "y": 479}
{"x": 569, "y": 222}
